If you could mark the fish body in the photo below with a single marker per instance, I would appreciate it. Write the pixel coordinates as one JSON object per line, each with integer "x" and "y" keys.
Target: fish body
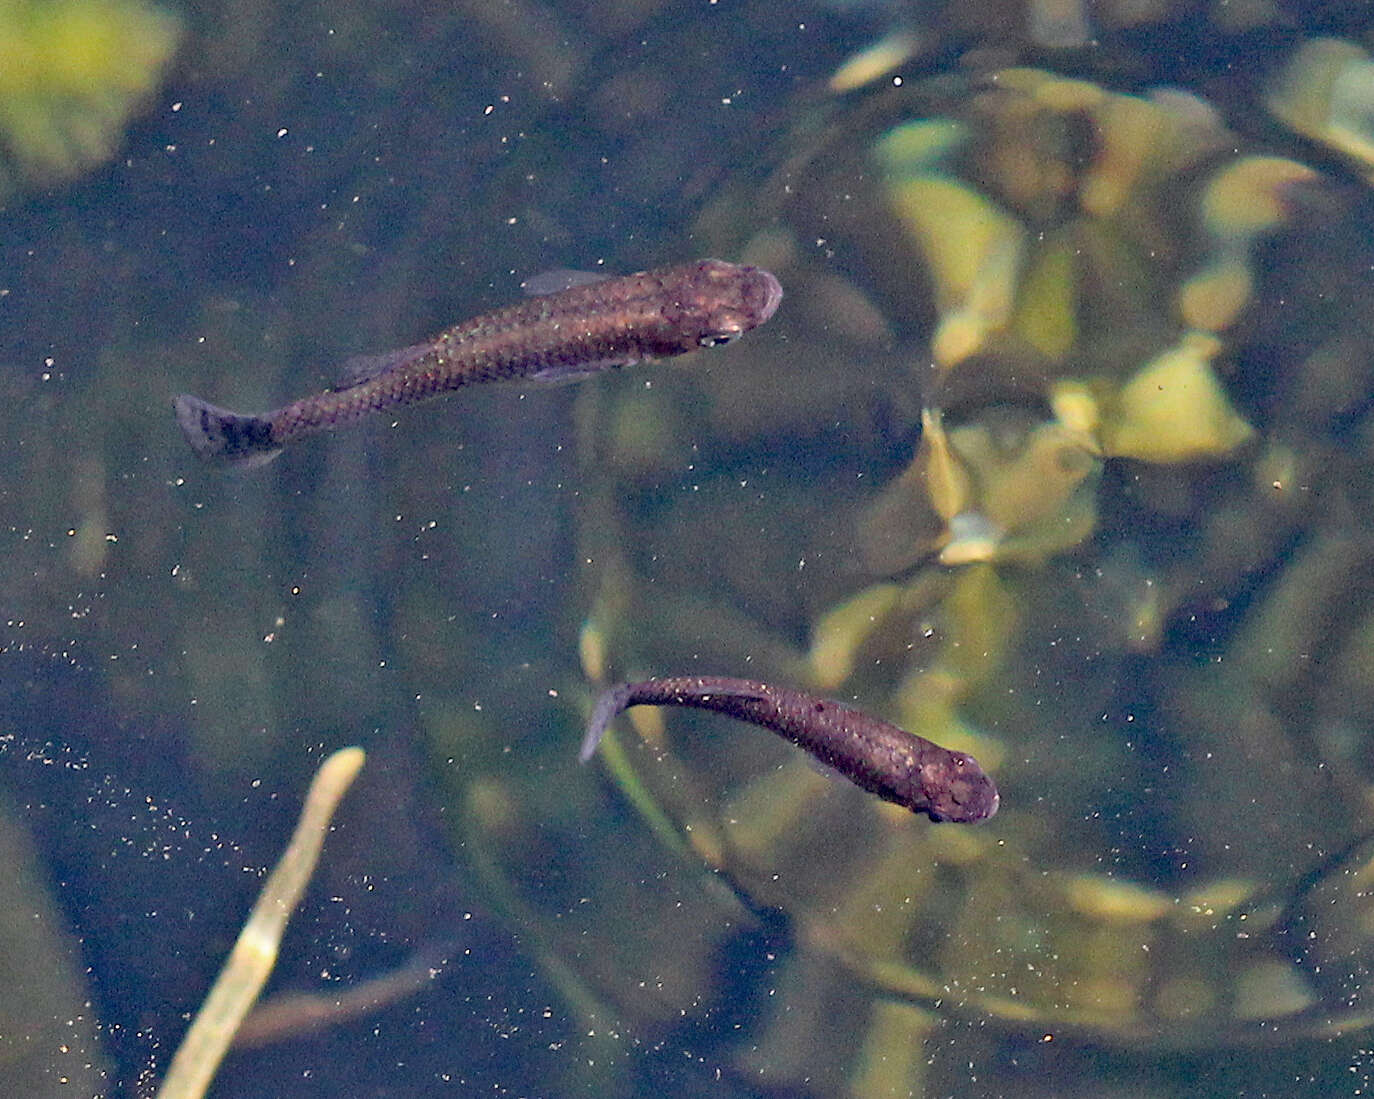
{"x": 882, "y": 758}
{"x": 570, "y": 333}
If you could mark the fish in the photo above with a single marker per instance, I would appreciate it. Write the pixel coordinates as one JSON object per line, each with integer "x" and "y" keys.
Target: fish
{"x": 570, "y": 333}
{"x": 879, "y": 757}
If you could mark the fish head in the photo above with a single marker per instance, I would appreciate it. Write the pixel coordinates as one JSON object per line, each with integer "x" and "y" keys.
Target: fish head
{"x": 716, "y": 302}
{"x": 955, "y": 787}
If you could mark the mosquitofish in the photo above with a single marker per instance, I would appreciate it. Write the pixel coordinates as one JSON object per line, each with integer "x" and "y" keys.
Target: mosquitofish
{"x": 570, "y": 333}
{"x": 898, "y": 766}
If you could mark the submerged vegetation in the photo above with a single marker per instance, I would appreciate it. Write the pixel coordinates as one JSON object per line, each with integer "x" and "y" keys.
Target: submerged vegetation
{"x": 250, "y": 963}
{"x": 73, "y": 73}
{"x": 1056, "y": 453}
{"x": 1107, "y": 570}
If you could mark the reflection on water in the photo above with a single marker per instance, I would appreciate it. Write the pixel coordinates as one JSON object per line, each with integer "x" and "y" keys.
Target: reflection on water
{"x": 1055, "y": 452}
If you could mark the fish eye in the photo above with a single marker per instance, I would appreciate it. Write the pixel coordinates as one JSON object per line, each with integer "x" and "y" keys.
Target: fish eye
{"x": 717, "y": 339}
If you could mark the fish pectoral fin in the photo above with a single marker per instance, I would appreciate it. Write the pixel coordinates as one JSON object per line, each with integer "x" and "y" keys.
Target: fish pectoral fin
{"x": 551, "y": 282}
{"x": 363, "y": 368}
{"x": 559, "y": 373}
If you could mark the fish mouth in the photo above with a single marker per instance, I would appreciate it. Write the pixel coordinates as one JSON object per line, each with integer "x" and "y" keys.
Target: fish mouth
{"x": 772, "y": 292}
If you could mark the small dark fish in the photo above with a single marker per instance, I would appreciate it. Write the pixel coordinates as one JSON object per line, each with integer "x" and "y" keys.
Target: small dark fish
{"x": 567, "y": 334}
{"x": 898, "y": 766}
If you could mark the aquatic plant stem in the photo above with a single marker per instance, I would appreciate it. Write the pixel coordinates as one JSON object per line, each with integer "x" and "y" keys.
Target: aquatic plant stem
{"x": 255, "y": 953}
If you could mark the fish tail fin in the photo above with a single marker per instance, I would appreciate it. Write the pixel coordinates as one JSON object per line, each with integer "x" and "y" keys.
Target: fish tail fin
{"x": 610, "y": 704}
{"x": 225, "y": 437}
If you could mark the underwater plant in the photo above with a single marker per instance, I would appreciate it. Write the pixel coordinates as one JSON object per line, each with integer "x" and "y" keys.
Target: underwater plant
{"x": 72, "y": 75}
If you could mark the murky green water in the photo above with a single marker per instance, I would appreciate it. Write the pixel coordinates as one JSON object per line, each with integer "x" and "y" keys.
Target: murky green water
{"x": 1056, "y": 452}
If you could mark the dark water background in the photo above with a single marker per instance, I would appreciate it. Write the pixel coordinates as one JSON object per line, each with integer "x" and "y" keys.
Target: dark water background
{"x": 179, "y": 647}
{"x": 310, "y": 182}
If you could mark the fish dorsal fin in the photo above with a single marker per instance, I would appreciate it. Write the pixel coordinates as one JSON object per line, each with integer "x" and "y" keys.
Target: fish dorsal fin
{"x": 363, "y": 368}
{"x": 551, "y": 282}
